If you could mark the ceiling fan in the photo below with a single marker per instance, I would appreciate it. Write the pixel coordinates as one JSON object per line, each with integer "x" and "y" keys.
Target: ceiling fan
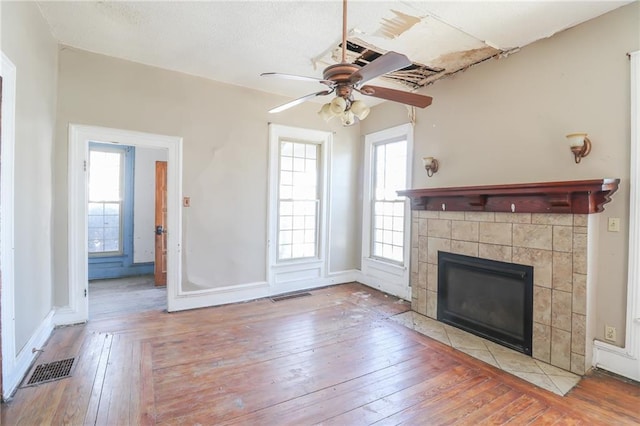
{"x": 345, "y": 78}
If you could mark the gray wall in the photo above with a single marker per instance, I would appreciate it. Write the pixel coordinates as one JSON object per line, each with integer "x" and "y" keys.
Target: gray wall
{"x": 225, "y": 161}
{"x": 505, "y": 121}
{"x": 27, "y": 42}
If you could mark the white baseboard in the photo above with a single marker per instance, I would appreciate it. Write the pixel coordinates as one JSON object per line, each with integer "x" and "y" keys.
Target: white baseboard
{"x": 390, "y": 288}
{"x": 21, "y": 364}
{"x": 66, "y": 315}
{"x": 219, "y": 296}
{"x": 616, "y": 360}
{"x": 251, "y": 291}
{"x": 333, "y": 278}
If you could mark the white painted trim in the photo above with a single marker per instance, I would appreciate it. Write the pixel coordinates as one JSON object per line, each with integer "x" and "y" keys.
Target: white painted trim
{"x": 626, "y": 361}
{"x": 325, "y": 141}
{"x": 385, "y": 286}
{"x": 79, "y": 137}
{"x": 7, "y": 185}
{"x": 258, "y": 290}
{"x": 385, "y": 276}
{"x": 27, "y": 355}
{"x": 615, "y": 359}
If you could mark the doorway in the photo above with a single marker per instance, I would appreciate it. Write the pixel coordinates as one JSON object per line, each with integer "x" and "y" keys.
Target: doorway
{"x": 121, "y": 210}
{"x": 79, "y": 139}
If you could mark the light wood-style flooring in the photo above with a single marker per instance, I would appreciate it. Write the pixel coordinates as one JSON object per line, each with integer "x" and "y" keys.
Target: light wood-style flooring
{"x": 115, "y": 297}
{"x": 333, "y": 357}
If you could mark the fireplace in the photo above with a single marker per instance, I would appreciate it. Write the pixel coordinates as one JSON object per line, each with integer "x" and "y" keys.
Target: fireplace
{"x": 544, "y": 225}
{"x": 488, "y": 298}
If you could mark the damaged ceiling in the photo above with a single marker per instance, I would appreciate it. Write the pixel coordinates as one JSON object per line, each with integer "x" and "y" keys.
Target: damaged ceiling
{"x": 235, "y": 41}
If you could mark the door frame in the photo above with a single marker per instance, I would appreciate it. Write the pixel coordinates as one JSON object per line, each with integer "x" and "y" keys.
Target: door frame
{"x": 79, "y": 137}
{"x": 626, "y": 361}
{"x": 7, "y": 179}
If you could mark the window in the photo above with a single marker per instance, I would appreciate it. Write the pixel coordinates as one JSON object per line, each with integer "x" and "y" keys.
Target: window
{"x": 298, "y": 207}
{"x": 298, "y": 200}
{"x": 106, "y": 174}
{"x": 385, "y": 216}
{"x": 389, "y": 175}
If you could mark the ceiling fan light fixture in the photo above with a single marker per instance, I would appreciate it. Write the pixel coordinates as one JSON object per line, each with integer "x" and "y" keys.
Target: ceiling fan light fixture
{"x": 344, "y": 78}
{"x": 338, "y": 105}
{"x": 348, "y": 118}
{"x": 325, "y": 112}
{"x": 360, "y": 109}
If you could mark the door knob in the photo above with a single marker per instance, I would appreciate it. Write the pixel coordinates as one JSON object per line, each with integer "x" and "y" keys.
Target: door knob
{"x": 160, "y": 230}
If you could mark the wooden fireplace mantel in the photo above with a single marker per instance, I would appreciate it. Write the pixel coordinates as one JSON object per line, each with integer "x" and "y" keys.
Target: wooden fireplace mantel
{"x": 577, "y": 197}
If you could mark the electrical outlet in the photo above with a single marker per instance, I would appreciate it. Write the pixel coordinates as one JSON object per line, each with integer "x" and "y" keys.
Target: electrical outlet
{"x": 614, "y": 224}
{"x": 609, "y": 333}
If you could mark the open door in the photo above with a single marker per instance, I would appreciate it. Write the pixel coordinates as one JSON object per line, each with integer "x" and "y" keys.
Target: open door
{"x": 160, "y": 269}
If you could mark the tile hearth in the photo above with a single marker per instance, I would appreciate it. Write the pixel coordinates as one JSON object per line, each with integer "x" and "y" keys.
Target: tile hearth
{"x": 534, "y": 371}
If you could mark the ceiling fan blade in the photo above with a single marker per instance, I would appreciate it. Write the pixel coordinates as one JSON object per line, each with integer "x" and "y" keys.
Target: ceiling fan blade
{"x": 299, "y": 101}
{"x": 408, "y": 98}
{"x": 389, "y": 62}
{"x": 296, "y": 77}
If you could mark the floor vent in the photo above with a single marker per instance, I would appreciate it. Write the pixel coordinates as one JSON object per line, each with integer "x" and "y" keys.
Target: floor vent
{"x": 51, "y": 371}
{"x": 289, "y": 296}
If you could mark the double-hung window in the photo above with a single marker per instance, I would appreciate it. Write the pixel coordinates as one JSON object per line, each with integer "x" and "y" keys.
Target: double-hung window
{"x": 387, "y": 208}
{"x": 386, "y": 217}
{"x": 298, "y": 204}
{"x": 298, "y": 200}
{"x": 106, "y": 196}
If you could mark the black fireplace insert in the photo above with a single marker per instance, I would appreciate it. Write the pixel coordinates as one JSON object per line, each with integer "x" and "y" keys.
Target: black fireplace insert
{"x": 488, "y": 298}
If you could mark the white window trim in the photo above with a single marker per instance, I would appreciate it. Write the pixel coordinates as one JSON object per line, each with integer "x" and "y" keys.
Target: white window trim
{"x": 297, "y": 274}
{"x": 386, "y": 276}
{"x": 626, "y": 361}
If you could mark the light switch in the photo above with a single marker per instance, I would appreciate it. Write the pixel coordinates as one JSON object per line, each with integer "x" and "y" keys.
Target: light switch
{"x": 186, "y": 201}
{"x": 614, "y": 224}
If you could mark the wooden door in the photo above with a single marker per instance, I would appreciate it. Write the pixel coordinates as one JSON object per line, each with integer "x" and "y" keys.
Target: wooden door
{"x": 160, "y": 269}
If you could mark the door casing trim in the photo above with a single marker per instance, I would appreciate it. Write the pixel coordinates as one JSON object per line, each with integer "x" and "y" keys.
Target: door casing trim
{"x": 77, "y": 309}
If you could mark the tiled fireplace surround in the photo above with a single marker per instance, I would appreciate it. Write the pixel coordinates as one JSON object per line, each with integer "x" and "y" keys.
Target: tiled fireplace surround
{"x": 554, "y": 244}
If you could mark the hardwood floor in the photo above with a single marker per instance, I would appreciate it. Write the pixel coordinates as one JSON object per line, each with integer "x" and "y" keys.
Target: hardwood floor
{"x": 115, "y": 297}
{"x": 332, "y": 358}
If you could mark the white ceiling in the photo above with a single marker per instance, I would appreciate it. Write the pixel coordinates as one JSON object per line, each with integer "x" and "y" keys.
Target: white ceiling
{"x": 235, "y": 41}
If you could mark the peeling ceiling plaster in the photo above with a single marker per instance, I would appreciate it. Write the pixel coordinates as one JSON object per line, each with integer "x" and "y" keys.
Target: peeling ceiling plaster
{"x": 235, "y": 41}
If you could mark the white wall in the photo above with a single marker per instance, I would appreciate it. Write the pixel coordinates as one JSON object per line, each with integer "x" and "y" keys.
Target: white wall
{"x": 144, "y": 203}
{"x": 27, "y": 42}
{"x": 505, "y": 121}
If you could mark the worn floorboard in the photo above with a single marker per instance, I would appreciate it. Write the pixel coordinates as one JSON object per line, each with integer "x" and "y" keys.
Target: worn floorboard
{"x": 333, "y": 358}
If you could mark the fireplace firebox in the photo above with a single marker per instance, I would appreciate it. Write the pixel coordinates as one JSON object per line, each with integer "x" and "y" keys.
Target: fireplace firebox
{"x": 488, "y": 298}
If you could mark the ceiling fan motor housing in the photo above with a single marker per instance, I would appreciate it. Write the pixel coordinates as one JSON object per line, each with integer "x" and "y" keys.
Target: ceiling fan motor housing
{"x": 340, "y": 73}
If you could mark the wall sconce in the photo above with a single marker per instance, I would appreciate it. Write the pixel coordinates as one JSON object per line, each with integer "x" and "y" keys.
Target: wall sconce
{"x": 580, "y": 145}
{"x": 430, "y": 165}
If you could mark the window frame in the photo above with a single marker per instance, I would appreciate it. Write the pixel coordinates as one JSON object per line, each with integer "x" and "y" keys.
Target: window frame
{"x": 373, "y": 177}
{"x": 317, "y": 200}
{"x": 388, "y": 276}
{"x": 293, "y": 274}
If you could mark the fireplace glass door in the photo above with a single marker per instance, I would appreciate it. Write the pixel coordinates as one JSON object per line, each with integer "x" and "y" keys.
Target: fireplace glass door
{"x": 488, "y": 298}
